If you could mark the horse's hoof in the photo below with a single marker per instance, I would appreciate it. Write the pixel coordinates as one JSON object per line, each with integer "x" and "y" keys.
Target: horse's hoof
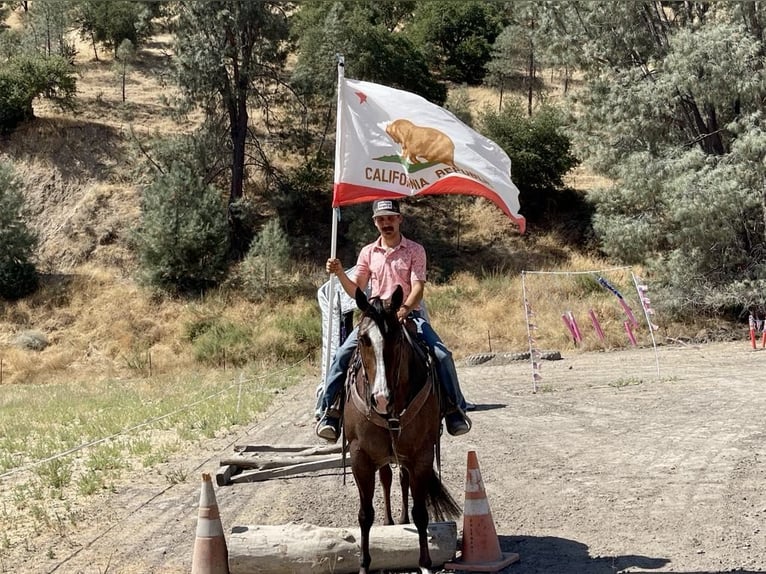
{"x": 425, "y": 570}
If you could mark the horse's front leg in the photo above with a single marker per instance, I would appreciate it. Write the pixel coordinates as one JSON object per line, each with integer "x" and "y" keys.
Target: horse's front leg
{"x": 364, "y": 475}
{"x": 386, "y": 479}
{"x": 419, "y": 481}
{"x": 404, "y": 482}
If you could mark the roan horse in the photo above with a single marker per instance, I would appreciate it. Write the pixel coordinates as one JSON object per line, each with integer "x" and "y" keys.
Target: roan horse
{"x": 392, "y": 416}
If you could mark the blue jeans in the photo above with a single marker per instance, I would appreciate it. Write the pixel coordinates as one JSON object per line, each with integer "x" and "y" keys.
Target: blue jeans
{"x": 445, "y": 365}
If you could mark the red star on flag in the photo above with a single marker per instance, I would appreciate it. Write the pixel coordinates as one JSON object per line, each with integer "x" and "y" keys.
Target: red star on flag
{"x": 362, "y": 97}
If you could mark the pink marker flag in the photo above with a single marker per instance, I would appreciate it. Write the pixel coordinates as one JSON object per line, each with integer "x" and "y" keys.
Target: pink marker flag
{"x": 629, "y": 331}
{"x": 568, "y": 325}
{"x": 596, "y": 325}
{"x": 578, "y": 335}
{"x": 395, "y": 143}
{"x": 628, "y": 312}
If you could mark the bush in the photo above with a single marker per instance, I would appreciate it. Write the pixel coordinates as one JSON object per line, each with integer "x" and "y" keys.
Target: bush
{"x": 23, "y": 78}
{"x": 17, "y": 279}
{"x": 223, "y": 343}
{"x": 183, "y": 237}
{"x": 304, "y": 209}
{"x": 18, "y": 276}
{"x": 267, "y": 263}
{"x": 541, "y": 156}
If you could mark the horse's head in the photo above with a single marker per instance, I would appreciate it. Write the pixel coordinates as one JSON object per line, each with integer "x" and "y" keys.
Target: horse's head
{"x": 380, "y": 346}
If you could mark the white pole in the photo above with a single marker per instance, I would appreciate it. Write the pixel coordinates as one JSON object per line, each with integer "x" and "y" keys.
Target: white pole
{"x": 532, "y": 348}
{"x": 648, "y": 321}
{"x": 335, "y": 211}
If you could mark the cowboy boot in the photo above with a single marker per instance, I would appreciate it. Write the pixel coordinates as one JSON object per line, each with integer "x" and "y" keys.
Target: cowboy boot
{"x": 328, "y": 426}
{"x": 457, "y": 422}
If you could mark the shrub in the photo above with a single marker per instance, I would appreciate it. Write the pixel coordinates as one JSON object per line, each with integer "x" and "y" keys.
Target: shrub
{"x": 267, "y": 263}
{"x": 183, "y": 237}
{"x": 23, "y": 78}
{"x": 541, "y": 156}
{"x": 18, "y": 276}
{"x": 223, "y": 343}
{"x": 301, "y": 201}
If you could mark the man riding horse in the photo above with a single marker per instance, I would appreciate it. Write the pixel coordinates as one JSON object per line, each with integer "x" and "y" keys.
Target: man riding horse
{"x": 389, "y": 261}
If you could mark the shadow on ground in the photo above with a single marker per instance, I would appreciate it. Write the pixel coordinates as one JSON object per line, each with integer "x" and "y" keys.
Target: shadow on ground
{"x": 487, "y": 407}
{"x": 552, "y": 555}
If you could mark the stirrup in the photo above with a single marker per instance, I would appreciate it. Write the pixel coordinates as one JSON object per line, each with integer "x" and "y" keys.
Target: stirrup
{"x": 457, "y": 423}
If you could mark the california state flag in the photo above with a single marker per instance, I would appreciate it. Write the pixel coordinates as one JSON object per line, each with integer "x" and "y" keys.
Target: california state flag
{"x": 395, "y": 143}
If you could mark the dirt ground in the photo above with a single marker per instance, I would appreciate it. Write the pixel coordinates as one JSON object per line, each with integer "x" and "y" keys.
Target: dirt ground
{"x": 607, "y": 468}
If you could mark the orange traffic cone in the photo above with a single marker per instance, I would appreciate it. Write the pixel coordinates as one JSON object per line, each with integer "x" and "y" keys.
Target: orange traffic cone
{"x": 481, "y": 548}
{"x": 210, "y": 553}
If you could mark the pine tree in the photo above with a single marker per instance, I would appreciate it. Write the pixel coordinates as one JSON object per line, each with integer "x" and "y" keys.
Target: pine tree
{"x": 267, "y": 261}
{"x": 182, "y": 241}
{"x": 672, "y": 113}
{"x": 18, "y": 276}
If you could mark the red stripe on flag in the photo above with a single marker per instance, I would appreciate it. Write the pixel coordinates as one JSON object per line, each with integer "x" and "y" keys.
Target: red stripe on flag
{"x": 349, "y": 194}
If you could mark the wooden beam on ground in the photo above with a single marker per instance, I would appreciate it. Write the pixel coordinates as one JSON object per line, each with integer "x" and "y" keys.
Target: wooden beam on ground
{"x": 303, "y": 449}
{"x": 322, "y": 449}
{"x": 224, "y": 474}
{"x": 309, "y": 549}
{"x": 264, "y": 462}
{"x": 261, "y": 475}
{"x": 268, "y": 448}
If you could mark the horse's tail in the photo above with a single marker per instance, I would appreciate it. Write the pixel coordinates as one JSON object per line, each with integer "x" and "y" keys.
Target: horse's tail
{"x": 440, "y": 503}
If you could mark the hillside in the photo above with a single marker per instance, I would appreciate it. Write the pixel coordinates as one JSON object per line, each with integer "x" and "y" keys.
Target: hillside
{"x": 82, "y": 174}
{"x": 78, "y": 167}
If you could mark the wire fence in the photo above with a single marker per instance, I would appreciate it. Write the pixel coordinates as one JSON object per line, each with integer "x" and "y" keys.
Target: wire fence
{"x": 241, "y": 382}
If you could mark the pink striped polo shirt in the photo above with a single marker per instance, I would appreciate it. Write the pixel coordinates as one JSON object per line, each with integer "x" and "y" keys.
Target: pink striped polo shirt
{"x": 385, "y": 269}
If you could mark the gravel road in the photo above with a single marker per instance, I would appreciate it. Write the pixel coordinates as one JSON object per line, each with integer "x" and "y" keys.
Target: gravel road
{"x": 608, "y": 467}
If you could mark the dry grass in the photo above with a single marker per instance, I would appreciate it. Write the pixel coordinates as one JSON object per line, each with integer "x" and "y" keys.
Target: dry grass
{"x": 488, "y": 315}
{"x": 584, "y": 179}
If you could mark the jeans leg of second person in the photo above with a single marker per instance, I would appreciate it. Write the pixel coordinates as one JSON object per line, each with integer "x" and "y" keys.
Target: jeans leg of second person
{"x": 445, "y": 365}
{"x": 338, "y": 369}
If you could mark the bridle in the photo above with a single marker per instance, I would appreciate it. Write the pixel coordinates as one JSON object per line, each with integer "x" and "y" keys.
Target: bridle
{"x": 396, "y": 422}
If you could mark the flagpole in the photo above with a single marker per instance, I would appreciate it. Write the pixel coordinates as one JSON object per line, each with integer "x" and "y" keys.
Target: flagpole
{"x": 335, "y": 215}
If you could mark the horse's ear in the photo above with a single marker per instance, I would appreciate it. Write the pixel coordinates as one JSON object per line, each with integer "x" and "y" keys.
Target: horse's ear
{"x": 397, "y": 298}
{"x": 361, "y": 300}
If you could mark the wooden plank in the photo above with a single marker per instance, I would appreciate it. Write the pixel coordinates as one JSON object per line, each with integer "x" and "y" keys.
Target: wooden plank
{"x": 270, "y": 448}
{"x": 309, "y": 549}
{"x": 301, "y": 449}
{"x": 265, "y": 462}
{"x": 261, "y": 475}
{"x": 224, "y": 474}
{"x": 322, "y": 449}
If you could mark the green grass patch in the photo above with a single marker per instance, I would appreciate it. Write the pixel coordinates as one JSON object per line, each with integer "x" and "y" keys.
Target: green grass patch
{"x": 90, "y": 483}
{"x": 56, "y": 473}
{"x": 40, "y": 421}
{"x": 223, "y": 343}
{"x": 106, "y": 457}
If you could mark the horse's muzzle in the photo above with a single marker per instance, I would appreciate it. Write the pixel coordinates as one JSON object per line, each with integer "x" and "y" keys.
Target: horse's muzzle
{"x": 380, "y": 402}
